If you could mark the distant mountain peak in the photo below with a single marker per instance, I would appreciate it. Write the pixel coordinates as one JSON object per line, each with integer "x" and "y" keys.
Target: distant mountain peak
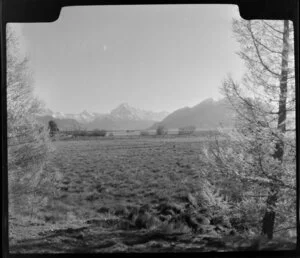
{"x": 86, "y": 113}
{"x": 125, "y": 111}
{"x": 124, "y": 105}
{"x": 207, "y": 114}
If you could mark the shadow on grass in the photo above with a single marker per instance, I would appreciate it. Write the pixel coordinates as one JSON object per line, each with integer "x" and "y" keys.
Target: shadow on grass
{"x": 95, "y": 239}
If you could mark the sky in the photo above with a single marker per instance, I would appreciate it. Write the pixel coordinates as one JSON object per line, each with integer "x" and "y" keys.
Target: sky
{"x": 159, "y": 57}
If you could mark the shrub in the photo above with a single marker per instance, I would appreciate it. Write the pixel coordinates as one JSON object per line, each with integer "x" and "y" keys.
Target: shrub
{"x": 161, "y": 130}
{"x": 243, "y": 168}
{"x": 97, "y": 132}
{"x": 77, "y": 133}
{"x": 144, "y": 133}
{"x": 52, "y": 127}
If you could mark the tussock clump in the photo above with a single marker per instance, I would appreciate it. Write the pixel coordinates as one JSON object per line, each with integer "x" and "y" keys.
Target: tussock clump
{"x": 168, "y": 208}
{"x": 201, "y": 211}
{"x": 168, "y": 217}
{"x": 142, "y": 220}
{"x": 238, "y": 223}
{"x": 203, "y": 220}
{"x": 103, "y": 210}
{"x": 92, "y": 196}
{"x": 121, "y": 211}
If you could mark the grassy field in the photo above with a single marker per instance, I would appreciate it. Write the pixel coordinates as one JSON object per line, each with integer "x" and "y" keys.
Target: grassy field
{"x": 124, "y": 195}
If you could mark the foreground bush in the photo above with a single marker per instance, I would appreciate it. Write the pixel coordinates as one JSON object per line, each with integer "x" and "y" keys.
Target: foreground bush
{"x": 243, "y": 172}
{"x": 201, "y": 212}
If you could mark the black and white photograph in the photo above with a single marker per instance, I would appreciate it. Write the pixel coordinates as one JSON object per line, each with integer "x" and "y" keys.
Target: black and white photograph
{"x": 151, "y": 128}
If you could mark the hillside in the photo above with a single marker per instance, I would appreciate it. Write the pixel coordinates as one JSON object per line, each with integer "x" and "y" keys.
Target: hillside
{"x": 208, "y": 114}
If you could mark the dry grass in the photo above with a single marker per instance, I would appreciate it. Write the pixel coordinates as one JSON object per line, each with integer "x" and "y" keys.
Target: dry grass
{"x": 109, "y": 174}
{"x": 122, "y": 195}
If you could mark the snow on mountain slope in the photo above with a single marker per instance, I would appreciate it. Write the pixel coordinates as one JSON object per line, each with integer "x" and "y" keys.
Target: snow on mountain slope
{"x": 122, "y": 117}
{"x": 125, "y": 111}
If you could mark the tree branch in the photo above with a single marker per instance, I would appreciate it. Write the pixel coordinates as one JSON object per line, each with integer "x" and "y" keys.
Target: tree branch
{"x": 271, "y": 27}
{"x": 284, "y": 229}
{"x": 266, "y": 47}
{"x": 281, "y": 184}
{"x": 258, "y": 53}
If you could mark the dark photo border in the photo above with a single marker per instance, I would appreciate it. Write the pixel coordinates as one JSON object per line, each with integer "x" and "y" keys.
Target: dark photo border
{"x": 49, "y": 10}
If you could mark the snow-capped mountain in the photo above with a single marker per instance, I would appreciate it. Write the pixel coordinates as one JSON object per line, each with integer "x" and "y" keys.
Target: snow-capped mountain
{"x": 127, "y": 117}
{"x": 122, "y": 117}
{"x": 124, "y": 111}
{"x": 59, "y": 115}
{"x": 83, "y": 117}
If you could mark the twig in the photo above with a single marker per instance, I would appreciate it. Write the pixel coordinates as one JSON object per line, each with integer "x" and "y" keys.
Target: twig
{"x": 284, "y": 229}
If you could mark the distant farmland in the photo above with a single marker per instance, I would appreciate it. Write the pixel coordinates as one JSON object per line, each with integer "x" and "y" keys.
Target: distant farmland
{"x": 152, "y": 132}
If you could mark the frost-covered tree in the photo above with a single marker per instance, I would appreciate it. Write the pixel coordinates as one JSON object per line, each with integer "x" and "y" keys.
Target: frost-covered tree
{"x": 161, "y": 130}
{"x": 52, "y": 126}
{"x": 259, "y": 156}
{"x": 28, "y": 140}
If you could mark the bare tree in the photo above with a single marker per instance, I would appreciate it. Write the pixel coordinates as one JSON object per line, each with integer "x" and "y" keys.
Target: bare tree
{"x": 265, "y": 101}
{"x": 52, "y": 126}
{"x": 28, "y": 140}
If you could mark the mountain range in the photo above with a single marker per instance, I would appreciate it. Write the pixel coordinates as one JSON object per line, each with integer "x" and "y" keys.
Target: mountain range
{"x": 123, "y": 117}
{"x": 208, "y": 114}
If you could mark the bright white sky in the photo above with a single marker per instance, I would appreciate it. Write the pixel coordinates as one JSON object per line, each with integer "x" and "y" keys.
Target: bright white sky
{"x": 152, "y": 57}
